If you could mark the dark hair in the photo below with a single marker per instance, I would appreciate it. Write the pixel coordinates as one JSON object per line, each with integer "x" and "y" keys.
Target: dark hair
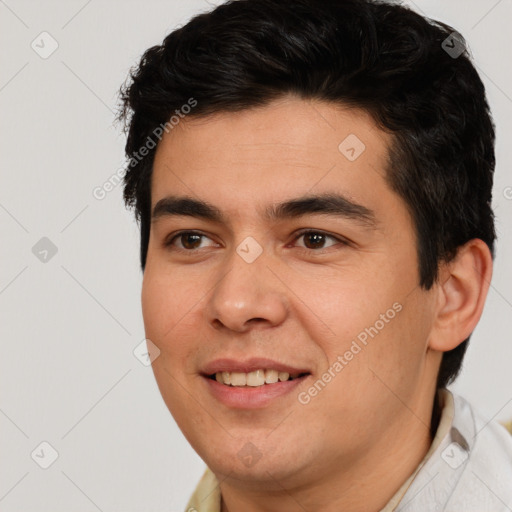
{"x": 412, "y": 74}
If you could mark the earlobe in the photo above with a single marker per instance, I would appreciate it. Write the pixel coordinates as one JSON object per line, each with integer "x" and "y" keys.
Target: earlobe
{"x": 462, "y": 289}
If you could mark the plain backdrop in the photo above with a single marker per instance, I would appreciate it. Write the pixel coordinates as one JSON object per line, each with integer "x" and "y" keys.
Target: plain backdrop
{"x": 69, "y": 275}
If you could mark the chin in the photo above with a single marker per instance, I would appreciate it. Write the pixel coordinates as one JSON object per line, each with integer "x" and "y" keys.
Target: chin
{"x": 253, "y": 465}
{"x": 264, "y": 474}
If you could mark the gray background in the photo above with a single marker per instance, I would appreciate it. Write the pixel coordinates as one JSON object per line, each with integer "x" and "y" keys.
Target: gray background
{"x": 70, "y": 324}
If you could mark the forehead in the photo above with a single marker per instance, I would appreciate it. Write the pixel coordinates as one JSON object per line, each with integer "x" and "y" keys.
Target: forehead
{"x": 264, "y": 155}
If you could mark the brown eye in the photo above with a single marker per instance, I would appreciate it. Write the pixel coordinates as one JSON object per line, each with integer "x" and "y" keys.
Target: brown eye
{"x": 190, "y": 240}
{"x": 316, "y": 239}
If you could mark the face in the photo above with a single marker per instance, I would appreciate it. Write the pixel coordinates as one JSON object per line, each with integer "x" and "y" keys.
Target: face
{"x": 292, "y": 255}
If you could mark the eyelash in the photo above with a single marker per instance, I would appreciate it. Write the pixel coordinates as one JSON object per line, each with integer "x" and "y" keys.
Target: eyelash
{"x": 343, "y": 242}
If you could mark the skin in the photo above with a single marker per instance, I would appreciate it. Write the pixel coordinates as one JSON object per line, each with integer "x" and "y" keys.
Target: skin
{"x": 354, "y": 444}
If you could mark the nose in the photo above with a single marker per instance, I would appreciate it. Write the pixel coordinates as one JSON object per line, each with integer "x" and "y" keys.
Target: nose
{"x": 247, "y": 295}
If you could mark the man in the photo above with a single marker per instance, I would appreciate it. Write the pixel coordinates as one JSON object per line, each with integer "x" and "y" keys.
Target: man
{"x": 313, "y": 185}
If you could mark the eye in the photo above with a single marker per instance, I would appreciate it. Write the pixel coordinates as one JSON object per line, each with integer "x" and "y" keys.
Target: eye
{"x": 314, "y": 240}
{"x": 189, "y": 241}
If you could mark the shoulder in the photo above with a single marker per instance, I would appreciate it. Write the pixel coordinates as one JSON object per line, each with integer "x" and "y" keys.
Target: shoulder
{"x": 470, "y": 469}
{"x": 486, "y": 480}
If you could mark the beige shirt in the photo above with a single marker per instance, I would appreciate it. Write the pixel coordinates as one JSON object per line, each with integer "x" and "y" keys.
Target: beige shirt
{"x": 449, "y": 454}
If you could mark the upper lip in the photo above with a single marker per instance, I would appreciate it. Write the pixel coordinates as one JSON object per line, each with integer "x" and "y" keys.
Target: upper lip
{"x": 249, "y": 365}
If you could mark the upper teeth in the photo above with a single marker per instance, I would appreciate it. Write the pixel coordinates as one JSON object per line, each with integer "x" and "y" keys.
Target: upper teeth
{"x": 255, "y": 378}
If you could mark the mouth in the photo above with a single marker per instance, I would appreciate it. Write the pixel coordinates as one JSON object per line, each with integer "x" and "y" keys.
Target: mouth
{"x": 252, "y": 384}
{"x": 256, "y": 378}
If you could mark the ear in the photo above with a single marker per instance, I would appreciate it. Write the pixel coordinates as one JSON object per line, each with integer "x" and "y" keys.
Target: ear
{"x": 461, "y": 292}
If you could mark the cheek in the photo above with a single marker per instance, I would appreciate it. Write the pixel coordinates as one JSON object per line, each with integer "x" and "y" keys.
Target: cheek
{"x": 348, "y": 305}
{"x": 157, "y": 302}
{"x": 169, "y": 309}
{"x": 377, "y": 325}
{"x": 171, "y": 323}
{"x": 397, "y": 355}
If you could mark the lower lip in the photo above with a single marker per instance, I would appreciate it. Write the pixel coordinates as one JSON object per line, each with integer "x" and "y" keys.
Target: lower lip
{"x": 249, "y": 397}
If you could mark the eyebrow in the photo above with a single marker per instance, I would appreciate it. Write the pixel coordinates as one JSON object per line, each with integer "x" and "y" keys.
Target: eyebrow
{"x": 326, "y": 204}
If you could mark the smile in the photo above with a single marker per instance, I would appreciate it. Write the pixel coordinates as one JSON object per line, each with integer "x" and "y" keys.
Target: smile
{"x": 252, "y": 383}
{"x": 255, "y": 378}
